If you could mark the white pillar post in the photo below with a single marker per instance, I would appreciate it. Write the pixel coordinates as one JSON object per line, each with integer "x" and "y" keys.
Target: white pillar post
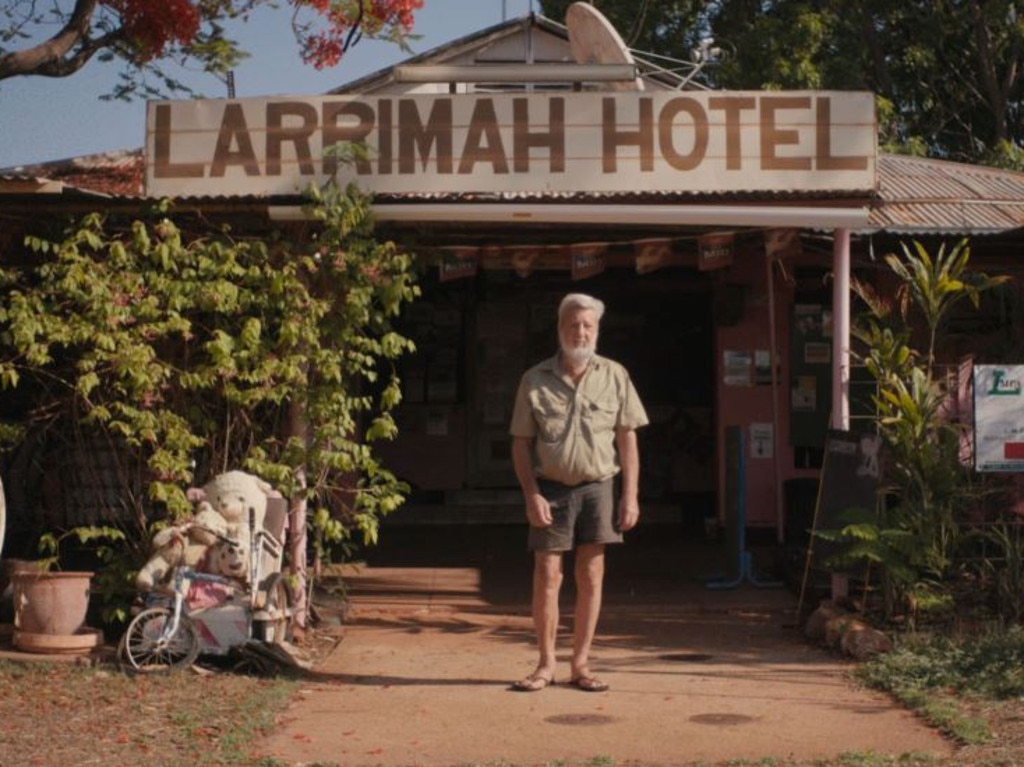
{"x": 840, "y": 354}
{"x": 841, "y": 330}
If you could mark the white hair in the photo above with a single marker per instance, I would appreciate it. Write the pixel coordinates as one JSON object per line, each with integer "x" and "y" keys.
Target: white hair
{"x": 580, "y": 301}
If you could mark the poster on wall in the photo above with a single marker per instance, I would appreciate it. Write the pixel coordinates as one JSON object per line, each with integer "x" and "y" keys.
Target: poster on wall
{"x": 998, "y": 418}
{"x": 739, "y": 368}
{"x": 762, "y": 440}
{"x": 763, "y": 367}
{"x": 810, "y": 373}
{"x": 805, "y": 395}
{"x": 816, "y": 353}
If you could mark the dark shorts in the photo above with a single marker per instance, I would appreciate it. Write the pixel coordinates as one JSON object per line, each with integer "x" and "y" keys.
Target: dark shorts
{"x": 581, "y": 514}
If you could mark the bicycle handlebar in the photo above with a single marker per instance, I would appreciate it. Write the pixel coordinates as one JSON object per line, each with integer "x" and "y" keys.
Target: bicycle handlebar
{"x": 218, "y": 535}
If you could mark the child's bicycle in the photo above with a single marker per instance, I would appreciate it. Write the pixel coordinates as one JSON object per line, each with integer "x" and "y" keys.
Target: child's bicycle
{"x": 169, "y": 634}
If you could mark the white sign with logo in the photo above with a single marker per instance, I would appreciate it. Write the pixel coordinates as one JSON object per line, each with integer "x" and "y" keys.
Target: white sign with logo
{"x": 999, "y": 418}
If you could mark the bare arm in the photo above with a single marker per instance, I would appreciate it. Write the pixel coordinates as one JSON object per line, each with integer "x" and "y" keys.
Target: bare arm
{"x": 537, "y": 510}
{"x": 629, "y": 461}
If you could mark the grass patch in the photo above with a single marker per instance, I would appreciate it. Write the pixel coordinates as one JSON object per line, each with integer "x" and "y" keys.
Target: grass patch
{"x": 871, "y": 759}
{"x": 929, "y": 675}
{"x": 54, "y": 710}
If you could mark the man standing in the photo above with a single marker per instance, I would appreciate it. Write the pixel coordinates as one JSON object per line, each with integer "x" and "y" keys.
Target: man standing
{"x": 573, "y": 430}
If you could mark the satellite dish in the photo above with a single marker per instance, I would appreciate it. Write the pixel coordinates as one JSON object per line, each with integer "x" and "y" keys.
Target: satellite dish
{"x": 594, "y": 40}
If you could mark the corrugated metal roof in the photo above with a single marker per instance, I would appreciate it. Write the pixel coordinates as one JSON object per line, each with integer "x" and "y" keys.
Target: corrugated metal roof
{"x": 119, "y": 174}
{"x": 915, "y": 195}
{"x": 17, "y": 183}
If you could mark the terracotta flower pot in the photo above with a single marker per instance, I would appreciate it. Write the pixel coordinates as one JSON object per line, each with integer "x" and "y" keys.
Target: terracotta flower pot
{"x": 81, "y": 642}
{"x": 11, "y": 566}
{"x": 50, "y": 602}
{"x": 7, "y": 567}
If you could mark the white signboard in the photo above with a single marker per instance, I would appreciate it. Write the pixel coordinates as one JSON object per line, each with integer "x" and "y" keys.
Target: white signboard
{"x": 572, "y": 142}
{"x": 998, "y": 418}
{"x": 762, "y": 440}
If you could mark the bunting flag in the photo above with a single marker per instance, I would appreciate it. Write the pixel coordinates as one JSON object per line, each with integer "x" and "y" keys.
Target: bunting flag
{"x": 493, "y": 257}
{"x": 652, "y": 254}
{"x": 587, "y": 259}
{"x": 458, "y": 262}
{"x": 715, "y": 251}
{"x": 779, "y": 243}
{"x": 523, "y": 258}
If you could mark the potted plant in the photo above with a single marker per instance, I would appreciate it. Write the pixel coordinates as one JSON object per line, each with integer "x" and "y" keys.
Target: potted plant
{"x": 50, "y": 604}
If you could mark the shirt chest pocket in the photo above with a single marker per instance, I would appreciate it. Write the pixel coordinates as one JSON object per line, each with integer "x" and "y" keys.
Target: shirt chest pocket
{"x": 599, "y": 416}
{"x": 551, "y": 414}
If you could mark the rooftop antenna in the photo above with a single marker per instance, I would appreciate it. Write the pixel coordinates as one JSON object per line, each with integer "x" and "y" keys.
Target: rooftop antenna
{"x": 593, "y": 40}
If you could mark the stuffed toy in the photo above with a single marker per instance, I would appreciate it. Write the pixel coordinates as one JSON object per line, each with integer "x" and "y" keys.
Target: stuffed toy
{"x": 186, "y": 544}
{"x": 230, "y": 560}
{"x": 223, "y": 507}
{"x": 232, "y": 495}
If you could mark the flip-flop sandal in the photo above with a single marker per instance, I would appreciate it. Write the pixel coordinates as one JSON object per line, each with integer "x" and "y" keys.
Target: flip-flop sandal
{"x": 589, "y": 684}
{"x": 532, "y": 683}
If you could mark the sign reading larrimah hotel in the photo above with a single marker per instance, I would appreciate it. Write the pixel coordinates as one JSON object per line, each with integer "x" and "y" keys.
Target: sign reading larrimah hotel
{"x": 575, "y": 142}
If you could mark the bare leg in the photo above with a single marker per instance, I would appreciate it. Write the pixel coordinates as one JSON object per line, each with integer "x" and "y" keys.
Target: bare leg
{"x": 589, "y": 582}
{"x": 547, "y": 582}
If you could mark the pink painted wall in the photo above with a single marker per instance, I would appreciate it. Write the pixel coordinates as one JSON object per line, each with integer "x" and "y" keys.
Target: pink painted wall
{"x": 744, "y": 405}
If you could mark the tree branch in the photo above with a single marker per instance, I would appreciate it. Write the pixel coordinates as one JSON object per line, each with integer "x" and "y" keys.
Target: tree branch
{"x": 51, "y": 58}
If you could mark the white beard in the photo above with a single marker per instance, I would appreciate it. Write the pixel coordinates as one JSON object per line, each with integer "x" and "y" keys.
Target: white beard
{"x": 578, "y": 355}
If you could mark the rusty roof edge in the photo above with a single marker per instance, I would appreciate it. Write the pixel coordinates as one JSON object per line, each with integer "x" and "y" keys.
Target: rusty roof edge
{"x": 913, "y": 194}
{"x": 11, "y": 185}
{"x": 933, "y": 231}
{"x": 113, "y": 158}
{"x": 22, "y": 184}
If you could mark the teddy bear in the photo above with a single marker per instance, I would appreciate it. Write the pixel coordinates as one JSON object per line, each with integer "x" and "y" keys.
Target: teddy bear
{"x": 230, "y": 559}
{"x": 186, "y": 545}
{"x": 226, "y": 558}
{"x": 223, "y": 506}
{"x": 233, "y": 495}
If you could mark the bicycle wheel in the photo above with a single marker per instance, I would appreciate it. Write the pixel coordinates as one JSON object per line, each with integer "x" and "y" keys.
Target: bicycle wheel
{"x": 145, "y": 649}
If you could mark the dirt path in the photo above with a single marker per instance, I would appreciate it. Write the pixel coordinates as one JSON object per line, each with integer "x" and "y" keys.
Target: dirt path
{"x": 422, "y": 677}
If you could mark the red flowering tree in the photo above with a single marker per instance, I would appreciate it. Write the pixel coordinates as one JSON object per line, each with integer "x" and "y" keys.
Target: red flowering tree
{"x": 58, "y": 37}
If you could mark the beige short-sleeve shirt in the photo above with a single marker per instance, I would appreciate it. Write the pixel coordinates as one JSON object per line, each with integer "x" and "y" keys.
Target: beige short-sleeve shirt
{"x": 574, "y": 426}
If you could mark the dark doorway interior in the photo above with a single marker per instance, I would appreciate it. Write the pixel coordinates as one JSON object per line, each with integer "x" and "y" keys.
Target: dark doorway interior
{"x": 476, "y": 336}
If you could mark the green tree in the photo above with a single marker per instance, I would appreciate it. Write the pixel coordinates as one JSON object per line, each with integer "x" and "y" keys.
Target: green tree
{"x": 193, "y": 350}
{"x": 947, "y": 74}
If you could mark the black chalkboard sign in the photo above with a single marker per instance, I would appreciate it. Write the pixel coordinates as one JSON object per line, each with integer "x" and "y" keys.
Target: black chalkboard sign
{"x": 850, "y": 476}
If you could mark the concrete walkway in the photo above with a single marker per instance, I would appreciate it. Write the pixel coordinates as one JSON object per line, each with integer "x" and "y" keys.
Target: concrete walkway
{"x": 698, "y": 676}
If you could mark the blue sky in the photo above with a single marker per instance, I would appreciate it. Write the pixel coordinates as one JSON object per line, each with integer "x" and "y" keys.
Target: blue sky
{"x": 44, "y": 119}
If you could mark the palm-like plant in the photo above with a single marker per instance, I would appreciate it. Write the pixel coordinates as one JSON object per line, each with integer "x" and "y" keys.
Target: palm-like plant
{"x": 915, "y": 530}
{"x": 933, "y": 286}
